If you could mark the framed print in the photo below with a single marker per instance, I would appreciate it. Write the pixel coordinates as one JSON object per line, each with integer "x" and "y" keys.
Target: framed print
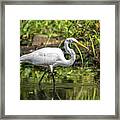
{"x": 60, "y": 59}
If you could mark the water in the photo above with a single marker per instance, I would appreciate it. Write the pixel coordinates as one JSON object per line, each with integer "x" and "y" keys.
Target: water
{"x": 71, "y": 84}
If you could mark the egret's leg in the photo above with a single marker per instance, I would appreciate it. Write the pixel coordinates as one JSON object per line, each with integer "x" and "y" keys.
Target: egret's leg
{"x": 41, "y": 80}
{"x": 54, "y": 89}
{"x": 53, "y": 86}
{"x": 42, "y": 76}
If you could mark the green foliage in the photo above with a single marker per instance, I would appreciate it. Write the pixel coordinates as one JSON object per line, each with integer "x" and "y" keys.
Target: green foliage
{"x": 86, "y": 31}
{"x": 61, "y": 28}
{"x": 85, "y": 71}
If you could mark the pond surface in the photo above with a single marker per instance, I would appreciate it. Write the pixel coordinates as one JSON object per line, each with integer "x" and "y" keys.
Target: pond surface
{"x": 71, "y": 84}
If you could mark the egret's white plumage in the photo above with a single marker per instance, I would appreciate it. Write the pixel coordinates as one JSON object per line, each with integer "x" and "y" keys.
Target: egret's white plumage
{"x": 51, "y": 56}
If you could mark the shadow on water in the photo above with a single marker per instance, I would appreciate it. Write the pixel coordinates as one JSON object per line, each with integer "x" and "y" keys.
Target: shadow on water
{"x": 67, "y": 90}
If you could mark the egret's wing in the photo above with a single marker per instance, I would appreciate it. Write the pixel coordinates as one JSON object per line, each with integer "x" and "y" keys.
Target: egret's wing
{"x": 44, "y": 56}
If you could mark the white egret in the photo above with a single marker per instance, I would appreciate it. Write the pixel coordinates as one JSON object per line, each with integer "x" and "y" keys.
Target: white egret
{"x": 52, "y": 57}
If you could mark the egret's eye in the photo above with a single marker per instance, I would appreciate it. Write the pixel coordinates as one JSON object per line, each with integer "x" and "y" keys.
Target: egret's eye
{"x": 67, "y": 40}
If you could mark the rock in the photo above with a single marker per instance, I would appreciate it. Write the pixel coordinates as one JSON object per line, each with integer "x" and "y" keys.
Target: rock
{"x": 43, "y": 40}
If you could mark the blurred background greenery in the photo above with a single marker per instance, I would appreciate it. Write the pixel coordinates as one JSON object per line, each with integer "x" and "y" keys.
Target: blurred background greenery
{"x": 81, "y": 81}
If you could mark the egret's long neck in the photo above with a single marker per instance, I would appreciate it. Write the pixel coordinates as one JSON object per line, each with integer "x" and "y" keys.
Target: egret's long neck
{"x": 71, "y": 52}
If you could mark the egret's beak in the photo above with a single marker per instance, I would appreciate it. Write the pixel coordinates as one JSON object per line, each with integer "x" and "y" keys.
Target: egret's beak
{"x": 81, "y": 44}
